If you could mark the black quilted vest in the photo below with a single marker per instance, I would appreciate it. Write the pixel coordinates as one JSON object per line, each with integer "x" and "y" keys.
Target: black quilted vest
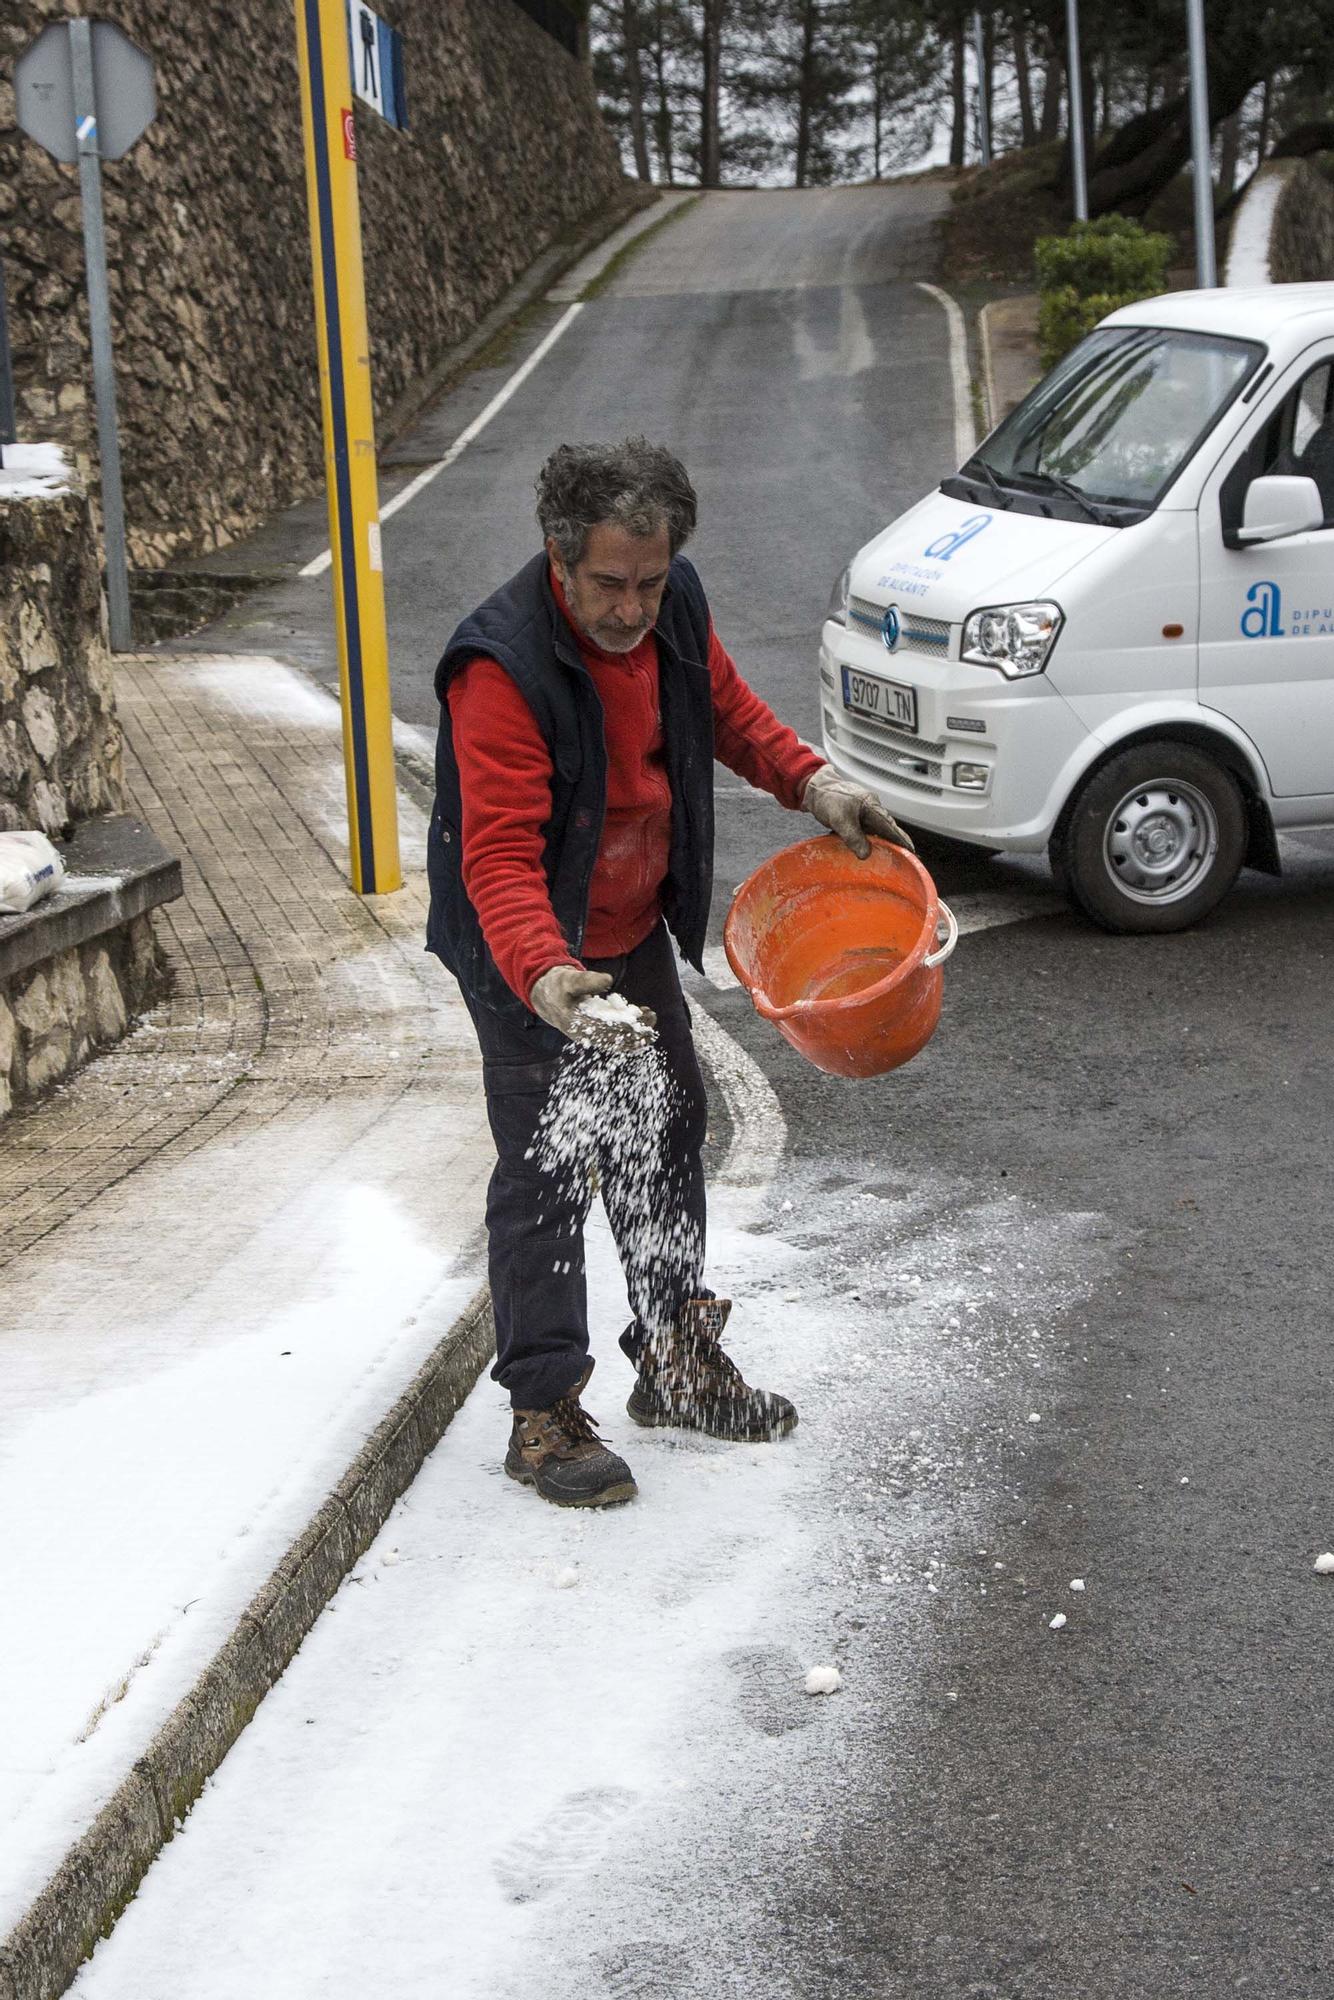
{"x": 522, "y": 627}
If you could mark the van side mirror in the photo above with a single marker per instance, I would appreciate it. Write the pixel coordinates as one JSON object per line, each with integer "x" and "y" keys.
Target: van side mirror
{"x": 1279, "y": 504}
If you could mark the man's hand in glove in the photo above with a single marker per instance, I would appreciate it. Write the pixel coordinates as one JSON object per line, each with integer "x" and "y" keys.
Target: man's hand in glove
{"x": 851, "y": 812}
{"x": 556, "y": 998}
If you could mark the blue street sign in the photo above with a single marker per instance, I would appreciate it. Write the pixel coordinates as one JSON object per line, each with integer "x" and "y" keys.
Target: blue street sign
{"x": 375, "y": 51}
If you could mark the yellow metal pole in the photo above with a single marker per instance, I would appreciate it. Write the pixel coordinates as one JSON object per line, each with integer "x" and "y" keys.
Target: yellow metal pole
{"x": 349, "y": 444}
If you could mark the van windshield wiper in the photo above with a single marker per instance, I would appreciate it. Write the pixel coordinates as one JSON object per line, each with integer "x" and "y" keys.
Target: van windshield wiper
{"x": 1003, "y": 499}
{"x": 1072, "y": 492}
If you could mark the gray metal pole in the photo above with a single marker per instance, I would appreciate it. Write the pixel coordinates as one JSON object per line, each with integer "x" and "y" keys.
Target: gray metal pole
{"x": 1075, "y": 79}
{"x": 8, "y": 419}
{"x": 1201, "y": 148}
{"x": 983, "y": 108}
{"x": 99, "y": 321}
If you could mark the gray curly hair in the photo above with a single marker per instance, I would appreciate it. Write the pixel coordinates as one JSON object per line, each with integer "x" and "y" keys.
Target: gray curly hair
{"x": 637, "y": 485}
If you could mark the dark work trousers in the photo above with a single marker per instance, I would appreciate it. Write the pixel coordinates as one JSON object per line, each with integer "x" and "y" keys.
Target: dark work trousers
{"x": 535, "y": 1221}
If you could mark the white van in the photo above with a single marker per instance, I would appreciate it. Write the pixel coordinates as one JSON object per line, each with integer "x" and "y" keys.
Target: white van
{"x": 1110, "y": 634}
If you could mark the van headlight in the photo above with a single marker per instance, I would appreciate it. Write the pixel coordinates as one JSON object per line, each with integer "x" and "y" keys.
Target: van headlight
{"x": 838, "y": 598}
{"x": 1016, "y": 638}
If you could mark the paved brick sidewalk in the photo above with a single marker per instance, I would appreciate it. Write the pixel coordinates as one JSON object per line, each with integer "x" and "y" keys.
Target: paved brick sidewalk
{"x": 285, "y": 985}
{"x": 227, "y": 1245}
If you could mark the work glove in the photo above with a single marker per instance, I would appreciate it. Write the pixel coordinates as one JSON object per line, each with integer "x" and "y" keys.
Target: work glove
{"x": 851, "y": 812}
{"x": 556, "y": 999}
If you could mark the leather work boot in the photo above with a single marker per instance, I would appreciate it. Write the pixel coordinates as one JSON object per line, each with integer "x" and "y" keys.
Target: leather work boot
{"x": 686, "y": 1379}
{"x": 560, "y": 1453}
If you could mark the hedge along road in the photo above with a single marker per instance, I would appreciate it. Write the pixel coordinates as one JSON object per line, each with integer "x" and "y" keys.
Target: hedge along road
{"x": 1053, "y": 1300}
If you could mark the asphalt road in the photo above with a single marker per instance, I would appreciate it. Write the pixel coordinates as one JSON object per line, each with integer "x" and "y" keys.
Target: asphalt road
{"x": 1111, "y": 1167}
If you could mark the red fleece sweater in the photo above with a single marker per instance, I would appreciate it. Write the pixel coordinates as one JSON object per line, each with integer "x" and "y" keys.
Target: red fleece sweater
{"x": 505, "y": 777}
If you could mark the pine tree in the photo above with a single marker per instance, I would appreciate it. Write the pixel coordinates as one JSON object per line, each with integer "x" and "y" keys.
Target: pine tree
{"x": 644, "y": 63}
{"x": 901, "y": 56}
{"x": 801, "y": 73}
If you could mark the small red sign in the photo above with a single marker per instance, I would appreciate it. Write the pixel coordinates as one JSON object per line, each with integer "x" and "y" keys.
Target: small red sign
{"x": 349, "y": 136}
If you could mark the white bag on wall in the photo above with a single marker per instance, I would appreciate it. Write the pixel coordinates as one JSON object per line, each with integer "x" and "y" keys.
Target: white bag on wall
{"x": 30, "y": 868}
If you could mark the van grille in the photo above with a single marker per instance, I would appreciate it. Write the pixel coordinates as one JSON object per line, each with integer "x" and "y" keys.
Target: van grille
{"x": 856, "y": 753}
{"x": 899, "y": 737}
{"x": 920, "y": 635}
{"x": 902, "y": 758}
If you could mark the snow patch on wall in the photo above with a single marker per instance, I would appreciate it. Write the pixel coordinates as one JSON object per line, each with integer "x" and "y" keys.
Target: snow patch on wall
{"x": 32, "y": 471}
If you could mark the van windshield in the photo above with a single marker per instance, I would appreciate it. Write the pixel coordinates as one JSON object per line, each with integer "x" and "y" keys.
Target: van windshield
{"x": 1117, "y": 419}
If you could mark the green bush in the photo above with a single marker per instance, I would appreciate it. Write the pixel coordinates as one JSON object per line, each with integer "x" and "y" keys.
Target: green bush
{"x": 1090, "y": 271}
{"x": 1064, "y": 318}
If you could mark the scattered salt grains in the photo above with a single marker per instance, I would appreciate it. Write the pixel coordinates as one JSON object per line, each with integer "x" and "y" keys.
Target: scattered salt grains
{"x": 566, "y": 1579}
{"x": 1034, "y": 1417}
{"x": 1077, "y": 1583}
{"x": 607, "y": 1121}
{"x": 823, "y": 1680}
{"x": 1324, "y": 1565}
{"x": 1058, "y": 1623}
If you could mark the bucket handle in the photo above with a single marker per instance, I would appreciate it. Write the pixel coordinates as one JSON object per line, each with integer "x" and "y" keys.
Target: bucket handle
{"x": 947, "y": 917}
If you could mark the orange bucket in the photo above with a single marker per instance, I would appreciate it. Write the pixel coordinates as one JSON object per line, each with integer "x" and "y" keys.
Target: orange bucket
{"x": 843, "y": 956}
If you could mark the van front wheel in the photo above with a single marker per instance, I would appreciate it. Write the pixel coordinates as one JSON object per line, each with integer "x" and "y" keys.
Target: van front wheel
{"x": 1153, "y": 840}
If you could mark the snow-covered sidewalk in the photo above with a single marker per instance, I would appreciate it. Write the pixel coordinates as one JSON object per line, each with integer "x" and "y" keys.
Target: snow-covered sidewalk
{"x": 227, "y": 1247}
{"x": 531, "y": 1748}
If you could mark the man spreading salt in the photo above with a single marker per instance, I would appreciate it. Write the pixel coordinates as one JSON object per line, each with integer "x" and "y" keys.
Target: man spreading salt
{"x": 581, "y": 709}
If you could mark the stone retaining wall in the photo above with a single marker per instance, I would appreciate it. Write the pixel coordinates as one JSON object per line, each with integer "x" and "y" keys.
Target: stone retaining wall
{"x": 60, "y": 1013}
{"x": 60, "y": 754}
{"x": 60, "y": 763}
{"x": 209, "y": 250}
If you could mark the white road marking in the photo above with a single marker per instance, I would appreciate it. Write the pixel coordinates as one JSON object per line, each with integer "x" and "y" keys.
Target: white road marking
{"x": 717, "y": 971}
{"x": 759, "y": 1130}
{"x": 965, "y": 433}
{"x": 984, "y": 909}
{"x": 479, "y": 423}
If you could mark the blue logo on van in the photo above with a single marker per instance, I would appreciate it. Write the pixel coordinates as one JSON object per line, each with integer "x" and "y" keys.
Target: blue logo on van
{"x": 947, "y": 545}
{"x": 891, "y": 628}
{"x": 1262, "y": 620}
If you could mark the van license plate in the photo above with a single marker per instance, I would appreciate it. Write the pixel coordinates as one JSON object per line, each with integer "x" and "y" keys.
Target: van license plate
{"x": 880, "y": 700}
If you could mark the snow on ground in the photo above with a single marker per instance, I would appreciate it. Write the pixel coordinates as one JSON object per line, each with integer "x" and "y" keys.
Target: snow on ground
{"x": 1253, "y": 226}
{"x": 533, "y": 1749}
{"x": 194, "y": 1362}
{"x": 264, "y": 690}
{"x": 163, "y": 1441}
{"x": 31, "y": 471}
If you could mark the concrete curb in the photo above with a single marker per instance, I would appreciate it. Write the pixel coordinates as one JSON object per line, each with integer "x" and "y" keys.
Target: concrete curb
{"x": 1007, "y": 342}
{"x": 101, "y": 1872}
{"x": 990, "y": 404}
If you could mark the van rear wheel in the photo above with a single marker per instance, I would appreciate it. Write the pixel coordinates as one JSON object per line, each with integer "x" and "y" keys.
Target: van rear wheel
{"x": 1153, "y": 840}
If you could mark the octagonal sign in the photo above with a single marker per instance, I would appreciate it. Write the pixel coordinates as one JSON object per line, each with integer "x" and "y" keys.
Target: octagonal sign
{"x": 123, "y": 91}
